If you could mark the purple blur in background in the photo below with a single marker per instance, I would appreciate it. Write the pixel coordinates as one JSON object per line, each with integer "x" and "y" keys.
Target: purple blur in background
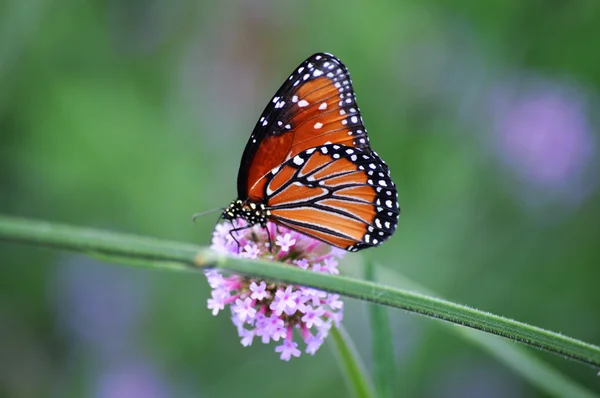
{"x": 100, "y": 309}
{"x": 542, "y": 133}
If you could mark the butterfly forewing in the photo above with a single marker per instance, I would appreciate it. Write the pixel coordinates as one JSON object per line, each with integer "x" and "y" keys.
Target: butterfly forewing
{"x": 339, "y": 194}
{"x": 315, "y": 106}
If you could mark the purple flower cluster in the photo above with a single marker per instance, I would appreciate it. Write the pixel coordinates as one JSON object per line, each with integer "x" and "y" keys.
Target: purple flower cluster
{"x": 271, "y": 310}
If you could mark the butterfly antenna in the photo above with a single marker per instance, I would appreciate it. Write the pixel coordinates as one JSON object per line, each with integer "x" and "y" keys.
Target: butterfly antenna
{"x": 197, "y": 215}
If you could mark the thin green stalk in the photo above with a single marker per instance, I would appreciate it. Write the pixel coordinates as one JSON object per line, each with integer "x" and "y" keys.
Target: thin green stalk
{"x": 384, "y": 365}
{"x": 351, "y": 363}
{"x": 130, "y": 246}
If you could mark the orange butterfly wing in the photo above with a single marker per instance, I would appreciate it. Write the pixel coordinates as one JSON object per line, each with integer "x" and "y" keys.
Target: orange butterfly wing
{"x": 315, "y": 106}
{"x": 338, "y": 194}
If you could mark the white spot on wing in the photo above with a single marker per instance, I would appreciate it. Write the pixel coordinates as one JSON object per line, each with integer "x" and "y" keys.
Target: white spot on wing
{"x": 302, "y": 103}
{"x": 298, "y": 160}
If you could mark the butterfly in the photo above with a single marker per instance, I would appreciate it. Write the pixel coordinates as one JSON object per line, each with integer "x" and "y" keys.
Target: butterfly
{"x": 308, "y": 164}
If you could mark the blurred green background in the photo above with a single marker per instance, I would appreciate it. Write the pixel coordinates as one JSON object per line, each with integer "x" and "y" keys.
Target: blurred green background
{"x": 132, "y": 115}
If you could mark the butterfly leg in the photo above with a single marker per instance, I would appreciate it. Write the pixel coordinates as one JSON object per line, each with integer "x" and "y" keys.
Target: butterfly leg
{"x": 233, "y": 236}
{"x": 268, "y": 237}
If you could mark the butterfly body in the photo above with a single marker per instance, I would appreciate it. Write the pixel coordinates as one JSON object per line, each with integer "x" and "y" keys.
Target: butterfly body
{"x": 308, "y": 164}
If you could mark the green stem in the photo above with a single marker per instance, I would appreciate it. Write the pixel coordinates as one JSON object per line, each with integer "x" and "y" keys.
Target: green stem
{"x": 131, "y": 246}
{"x": 382, "y": 345}
{"x": 351, "y": 363}
{"x": 516, "y": 357}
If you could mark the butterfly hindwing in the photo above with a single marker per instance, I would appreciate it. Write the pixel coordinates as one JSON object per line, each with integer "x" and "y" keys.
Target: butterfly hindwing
{"x": 339, "y": 194}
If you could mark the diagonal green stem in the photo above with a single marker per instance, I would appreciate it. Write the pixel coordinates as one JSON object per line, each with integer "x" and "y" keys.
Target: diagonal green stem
{"x": 516, "y": 357}
{"x": 170, "y": 255}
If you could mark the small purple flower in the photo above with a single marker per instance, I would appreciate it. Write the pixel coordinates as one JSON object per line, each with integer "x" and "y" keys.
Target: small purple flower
{"x": 286, "y": 242}
{"x": 279, "y": 332}
{"x": 215, "y": 280}
{"x": 251, "y": 251}
{"x": 217, "y": 302}
{"x": 270, "y": 310}
{"x": 314, "y": 296}
{"x": 317, "y": 268}
{"x": 259, "y": 291}
{"x": 334, "y": 302}
{"x": 330, "y": 265}
{"x": 336, "y": 317}
{"x": 285, "y": 301}
{"x": 244, "y": 309}
{"x": 288, "y": 349}
{"x": 313, "y": 343}
{"x": 337, "y": 252}
{"x": 312, "y": 316}
{"x": 247, "y": 336}
{"x": 272, "y": 327}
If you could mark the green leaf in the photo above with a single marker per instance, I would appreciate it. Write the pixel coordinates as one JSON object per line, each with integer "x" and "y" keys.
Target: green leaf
{"x": 351, "y": 363}
{"x": 382, "y": 345}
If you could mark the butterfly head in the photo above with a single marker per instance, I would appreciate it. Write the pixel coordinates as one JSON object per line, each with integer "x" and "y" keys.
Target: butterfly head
{"x": 252, "y": 213}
